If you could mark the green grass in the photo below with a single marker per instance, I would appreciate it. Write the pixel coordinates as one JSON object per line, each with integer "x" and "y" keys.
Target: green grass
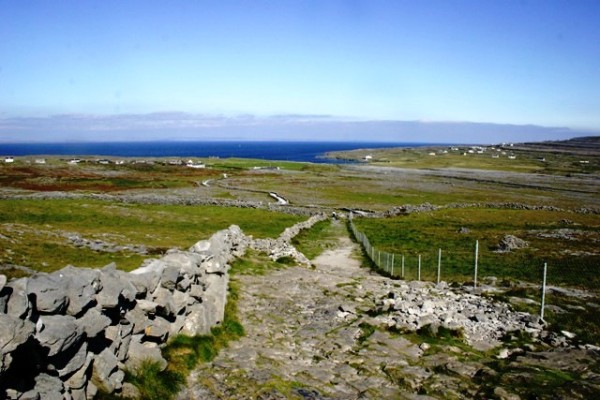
{"x": 526, "y": 160}
{"x": 36, "y": 229}
{"x": 256, "y": 263}
{"x": 321, "y": 236}
{"x": 424, "y": 233}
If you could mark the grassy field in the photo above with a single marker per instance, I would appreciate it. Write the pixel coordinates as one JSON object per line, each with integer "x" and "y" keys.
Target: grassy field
{"x": 34, "y": 232}
{"x": 565, "y": 240}
{"x": 494, "y": 158}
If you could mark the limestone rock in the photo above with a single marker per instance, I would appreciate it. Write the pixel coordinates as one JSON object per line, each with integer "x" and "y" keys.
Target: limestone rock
{"x": 82, "y": 286}
{"x": 80, "y": 378}
{"x": 58, "y": 333}
{"x": 93, "y": 322}
{"x": 105, "y": 364}
{"x": 2, "y": 281}
{"x": 510, "y": 242}
{"x": 68, "y": 362}
{"x": 146, "y": 279}
{"x": 18, "y": 303}
{"x": 169, "y": 277}
{"x": 48, "y": 292}
{"x": 164, "y": 299}
{"x": 49, "y": 387}
{"x": 157, "y": 330}
{"x": 13, "y": 333}
{"x": 196, "y": 321}
{"x": 201, "y": 246}
{"x": 138, "y": 319}
{"x": 138, "y": 352}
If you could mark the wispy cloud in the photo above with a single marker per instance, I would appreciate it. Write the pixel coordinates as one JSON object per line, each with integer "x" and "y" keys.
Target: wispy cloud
{"x": 187, "y": 126}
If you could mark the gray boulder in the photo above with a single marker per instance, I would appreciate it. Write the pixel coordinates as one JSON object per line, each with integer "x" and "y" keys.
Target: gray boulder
{"x": 157, "y": 330}
{"x": 82, "y": 286}
{"x": 48, "y": 292}
{"x": 202, "y": 246}
{"x": 138, "y": 320}
{"x": 13, "y": 333}
{"x": 58, "y": 333}
{"x": 66, "y": 366}
{"x": 147, "y": 306}
{"x": 105, "y": 365}
{"x": 181, "y": 301}
{"x": 93, "y": 322}
{"x": 510, "y": 243}
{"x": 169, "y": 277}
{"x": 49, "y": 387}
{"x": 186, "y": 262}
{"x": 79, "y": 379}
{"x": 146, "y": 279}
{"x": 18, "y": 304}
{"x": 196, "y": 291}
{"x": 196, "y": 322}
{"x": 2, "y": 281}
{"x": 164, "y": 299}
{"x": 139, "y": 352}
{"x": 115, "y": 288}
{"x": 215, "y": 297}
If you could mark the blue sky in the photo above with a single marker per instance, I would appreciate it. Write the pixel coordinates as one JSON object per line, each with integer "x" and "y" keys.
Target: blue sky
{"x": 199, "y": 69}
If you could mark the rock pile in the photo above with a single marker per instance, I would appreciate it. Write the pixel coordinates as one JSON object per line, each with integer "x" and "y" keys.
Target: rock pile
{"x": 510, "y": 243}
{"x": 103, "y": 246}
{"x": 416, "y": 305}
{"x": 66, "y": 334}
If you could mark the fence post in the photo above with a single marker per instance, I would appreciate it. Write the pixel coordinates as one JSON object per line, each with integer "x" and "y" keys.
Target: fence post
{"x": 476, "y": 258}
{"x": 387, "y": 262}
{"x": 392, "y": 265}
{"x": 402, "y": 266}
{"x": 439, "y": 265}
{"x": 543, "y": 292}
{"x": 419, "y": 270}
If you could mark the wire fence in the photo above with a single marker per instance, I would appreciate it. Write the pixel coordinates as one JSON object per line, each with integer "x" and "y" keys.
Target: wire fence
{"x": 573, "y": 300}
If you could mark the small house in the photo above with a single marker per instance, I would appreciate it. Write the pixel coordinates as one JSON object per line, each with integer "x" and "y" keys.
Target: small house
{"x": 40, "y": 161}
{"x": 9, "y": 160}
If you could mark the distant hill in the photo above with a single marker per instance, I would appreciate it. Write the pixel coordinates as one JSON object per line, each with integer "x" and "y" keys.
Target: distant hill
{"x": 580, "y": 145}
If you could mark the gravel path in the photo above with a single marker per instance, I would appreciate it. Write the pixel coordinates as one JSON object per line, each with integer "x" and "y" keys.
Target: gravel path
{"x": 303, "y": 337}
{"x": 310, "y": 334}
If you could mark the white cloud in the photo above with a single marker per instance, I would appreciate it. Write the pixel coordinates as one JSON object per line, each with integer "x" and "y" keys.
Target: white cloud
{"x": 187, "y": 126}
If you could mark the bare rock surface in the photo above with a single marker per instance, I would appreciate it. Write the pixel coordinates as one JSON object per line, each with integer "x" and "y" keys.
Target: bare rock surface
{"x": 326, "y": 333}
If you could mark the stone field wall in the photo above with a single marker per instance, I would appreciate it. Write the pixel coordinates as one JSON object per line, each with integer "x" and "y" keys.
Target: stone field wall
{"x": 66, "y": 334}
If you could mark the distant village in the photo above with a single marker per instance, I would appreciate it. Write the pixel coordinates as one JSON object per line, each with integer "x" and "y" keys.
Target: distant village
{"x": 105, "y": 161}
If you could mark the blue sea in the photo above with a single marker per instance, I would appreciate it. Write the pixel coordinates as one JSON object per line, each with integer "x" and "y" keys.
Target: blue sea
{"x": 271, "y": 150}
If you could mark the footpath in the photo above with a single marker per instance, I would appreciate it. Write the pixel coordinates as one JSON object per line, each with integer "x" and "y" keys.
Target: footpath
{"x": 316, "y": 333}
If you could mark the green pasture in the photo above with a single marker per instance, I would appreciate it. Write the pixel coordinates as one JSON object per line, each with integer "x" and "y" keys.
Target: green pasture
{"x": 535, "y": 161}
{"x": 34, "y": 230}
{"x": 566, "y": 241}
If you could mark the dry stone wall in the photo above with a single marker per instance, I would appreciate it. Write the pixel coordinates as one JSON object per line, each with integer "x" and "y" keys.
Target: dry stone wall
{"x": 66, "y": 334}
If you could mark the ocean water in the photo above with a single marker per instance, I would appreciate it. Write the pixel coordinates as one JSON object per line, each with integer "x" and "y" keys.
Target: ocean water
{"x": 286, "y": 151}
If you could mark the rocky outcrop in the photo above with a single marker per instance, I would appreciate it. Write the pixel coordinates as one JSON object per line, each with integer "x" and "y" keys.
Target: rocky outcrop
{"x": 66, "y": 334}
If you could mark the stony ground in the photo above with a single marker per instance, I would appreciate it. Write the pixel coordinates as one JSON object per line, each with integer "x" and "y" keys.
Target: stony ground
{"x": 311, "y": 334}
